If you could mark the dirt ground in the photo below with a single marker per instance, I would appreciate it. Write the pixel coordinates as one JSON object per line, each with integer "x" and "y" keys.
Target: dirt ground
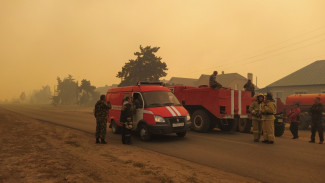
{"x": 34, "y": 151}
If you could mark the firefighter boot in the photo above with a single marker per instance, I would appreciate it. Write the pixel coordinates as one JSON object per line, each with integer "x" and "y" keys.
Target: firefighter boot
{"x": 103, "y": 141}
{"x": 97, "y": 141}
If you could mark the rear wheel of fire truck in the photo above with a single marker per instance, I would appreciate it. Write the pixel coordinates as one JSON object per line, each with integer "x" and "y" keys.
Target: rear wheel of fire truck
{"x": 278, "y": 128}
{"x": 144, "y": 132}
{"x": 200, "y": 121}
{"x": 115, "y": 129}
{"x": 244, "y": 125}
{"x": 181, "y": 134}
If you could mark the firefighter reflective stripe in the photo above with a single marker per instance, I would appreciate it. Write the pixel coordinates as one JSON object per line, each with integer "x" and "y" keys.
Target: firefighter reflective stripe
{"x": 177, "y": 112}
{"x": 116, "y": 107}
{"x": 148, "y": 112}
{"x": 239, "y": 102}
{"x": 171, "y": 110}
{"x": 232, "y": 102}
{"x": 255, "y": 131}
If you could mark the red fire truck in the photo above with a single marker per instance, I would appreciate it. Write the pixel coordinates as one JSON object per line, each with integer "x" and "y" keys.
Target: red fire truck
{"x": 157, "y": 111}
{"x": 305, "y": 101}
{"x": 224, "y": 108}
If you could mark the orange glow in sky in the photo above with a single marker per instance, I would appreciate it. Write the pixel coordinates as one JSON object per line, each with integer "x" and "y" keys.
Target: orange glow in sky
{"x": 40, "y": 40}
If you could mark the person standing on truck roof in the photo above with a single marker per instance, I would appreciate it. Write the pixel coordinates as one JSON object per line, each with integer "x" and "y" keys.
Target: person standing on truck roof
{"x": 268, "y": 111}
{"x": 316, "y": 111}
{"x": 256, "y": 110}
{"x": 126, "y": 120}
{"x": 100, "y": 113}
{"x": 250, "y": 87}
{"x": 293, "y": 116}
{"x": 213, "y": 81}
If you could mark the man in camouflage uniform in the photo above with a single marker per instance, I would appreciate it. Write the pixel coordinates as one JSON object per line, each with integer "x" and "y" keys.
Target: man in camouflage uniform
{"x": 268, "y": 111}
{"x": 316, "y": 111}
{"x": 100, "y": 113}
{"x": 256, "y": 110}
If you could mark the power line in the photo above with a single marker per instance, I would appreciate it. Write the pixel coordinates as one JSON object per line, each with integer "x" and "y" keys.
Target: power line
{"x": 274, "y": 50}
{"x": 261, "y": 59}
{"x": 310, "y": 58}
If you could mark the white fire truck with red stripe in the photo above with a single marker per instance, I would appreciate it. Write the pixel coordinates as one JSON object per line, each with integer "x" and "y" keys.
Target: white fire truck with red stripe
{"x": 158, "y": 111}
{"x": 223, "y": 108}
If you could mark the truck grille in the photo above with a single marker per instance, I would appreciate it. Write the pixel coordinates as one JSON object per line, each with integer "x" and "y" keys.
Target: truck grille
{"x": 176, "y": 120}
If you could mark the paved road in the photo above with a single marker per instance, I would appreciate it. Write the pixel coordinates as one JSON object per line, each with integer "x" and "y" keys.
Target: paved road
{"x": 285, "y": 161}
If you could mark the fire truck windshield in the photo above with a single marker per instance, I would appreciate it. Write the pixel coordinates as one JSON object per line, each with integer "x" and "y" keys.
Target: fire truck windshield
{"x": 159, "y": 99}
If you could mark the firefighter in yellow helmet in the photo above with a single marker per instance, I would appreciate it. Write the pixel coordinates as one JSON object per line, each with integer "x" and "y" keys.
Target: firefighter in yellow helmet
{"x": 256, "y": 110}
{"x": 268, "y": 111}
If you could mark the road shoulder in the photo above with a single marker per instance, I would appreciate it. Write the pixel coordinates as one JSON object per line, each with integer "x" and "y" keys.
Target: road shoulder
{"x": 34, "y": 151}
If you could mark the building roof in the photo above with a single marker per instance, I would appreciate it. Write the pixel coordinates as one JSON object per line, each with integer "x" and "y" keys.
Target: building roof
{"x": 182, "y": 81}
{"x": 312, "y": 74}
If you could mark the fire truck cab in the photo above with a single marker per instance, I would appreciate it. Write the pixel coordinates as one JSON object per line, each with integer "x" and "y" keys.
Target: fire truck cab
{"x": 158, "y": 111}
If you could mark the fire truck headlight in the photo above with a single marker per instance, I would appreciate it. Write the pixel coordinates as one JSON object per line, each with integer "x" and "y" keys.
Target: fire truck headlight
{"x": 159, "y": 119}
{"x": 188, "y": 118}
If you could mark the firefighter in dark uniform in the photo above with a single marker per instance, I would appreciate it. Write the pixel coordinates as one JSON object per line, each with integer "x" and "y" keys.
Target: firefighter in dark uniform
{"x": 213, "y": 82}
{"x": 126, "y": 120}
{"x": 250, "y": 87}
{"x": 100, "y": 113}
{"x": 256, "y": 110}
{"x": 316, "y": 111}
{"x": 268, "y": 111}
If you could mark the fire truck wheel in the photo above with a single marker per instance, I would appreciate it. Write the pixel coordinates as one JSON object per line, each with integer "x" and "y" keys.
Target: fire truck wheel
{"x": 181, "y": 134}
{"x": 144, "y": 132}
{"x": 278, "y": 129}
{"x": 244, "y": 125}
{"x": 200, "y": 121}
{"x": 115, "y": 128}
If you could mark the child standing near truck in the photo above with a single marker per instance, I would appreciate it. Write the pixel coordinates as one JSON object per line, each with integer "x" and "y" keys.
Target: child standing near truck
{"x": 293, "y": 116}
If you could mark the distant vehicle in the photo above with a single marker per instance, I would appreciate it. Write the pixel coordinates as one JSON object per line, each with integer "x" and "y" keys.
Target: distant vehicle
{"x": 305, "y": 101}
{"x": 157, "y": 110}
{"x": 224, "y": 108}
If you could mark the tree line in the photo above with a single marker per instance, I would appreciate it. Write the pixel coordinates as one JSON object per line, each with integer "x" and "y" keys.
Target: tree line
{"x": 69, "y": 92}
{"x": 146, "y": 67}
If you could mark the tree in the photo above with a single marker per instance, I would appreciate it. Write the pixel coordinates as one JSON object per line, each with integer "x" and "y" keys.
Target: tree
{"x": 146, "y": 67}
{"x": 22, "y": 96}
{"x": 68, "y": 91}
{"x": 88, "y": 94}
{"x": 41, "y": 96}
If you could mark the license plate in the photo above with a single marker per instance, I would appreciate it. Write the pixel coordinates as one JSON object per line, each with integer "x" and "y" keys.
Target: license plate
{"x": 177, "y": 124}
{"x": 280, "y": 120}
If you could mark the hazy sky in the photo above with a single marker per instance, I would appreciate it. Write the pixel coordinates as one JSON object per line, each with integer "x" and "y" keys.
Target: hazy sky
{"x": 93, "y": 39}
